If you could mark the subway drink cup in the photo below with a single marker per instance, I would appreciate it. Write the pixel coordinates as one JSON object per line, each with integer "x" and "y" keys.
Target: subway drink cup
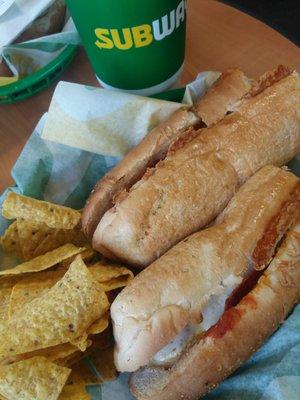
{"x": 136, "y": 46}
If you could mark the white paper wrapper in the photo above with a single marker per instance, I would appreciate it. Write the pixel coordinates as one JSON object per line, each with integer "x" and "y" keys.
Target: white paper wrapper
{"x": 5, "y": 5}
{"x": 105, "y": 122}
{"x": 109, "y": 122}
{"x": 17, "y": 16}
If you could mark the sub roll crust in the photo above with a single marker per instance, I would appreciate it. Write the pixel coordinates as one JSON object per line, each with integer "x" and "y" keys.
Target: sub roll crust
{"x": 237, "y": 335}
{"x": 191, "y": 283}
{"x": 187, "y": 190}
{"x": 209, "y": 109}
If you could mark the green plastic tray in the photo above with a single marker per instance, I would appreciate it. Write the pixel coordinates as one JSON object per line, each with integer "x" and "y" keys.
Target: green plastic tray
{"x": 39, "y": 80}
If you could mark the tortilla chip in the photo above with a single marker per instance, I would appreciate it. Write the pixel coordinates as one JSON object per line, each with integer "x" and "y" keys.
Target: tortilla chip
{"x": 73, "y": 391}
{"x": 103, "y": 360}
{"x": 79, "y": 238}
{"x": 10, "y": 241}
{"x": 116, "y": 283}
{"x": 31, "y": 235}
{"x": 111, "y": 276}
{"x": 87, "y": 254}
{"x": 32, "y": 287}
{"x": 55, "y": 353}
{"x": 75, "y": 357}
{"x": 81, "y": 376}
{"x": 45, "y": 261}
{"x": 24, "y": 292}
{"x": 60, "y": 315}
{"x": 102, "y": 340}
{"x": 58, "y": 352}
{"x": 8, "y": 281}
{"x": 53, "y": 215}
{"x": 33, "y": 379}
{"x": 95, "y": 342}
{"x": 4, "y": 303}
{"x": 98, "y": 326}
{"x": 58, "y": 237}
{"x": 83, "y": 372}
{"x": 80, "y": 342}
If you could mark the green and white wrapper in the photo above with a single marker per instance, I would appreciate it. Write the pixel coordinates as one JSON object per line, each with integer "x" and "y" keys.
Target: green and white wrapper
{"x": 25, "y": 58}
{"x": 60, "y": 173}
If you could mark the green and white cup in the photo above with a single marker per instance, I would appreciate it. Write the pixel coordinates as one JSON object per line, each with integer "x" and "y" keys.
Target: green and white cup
{"x": 136, "y": 46}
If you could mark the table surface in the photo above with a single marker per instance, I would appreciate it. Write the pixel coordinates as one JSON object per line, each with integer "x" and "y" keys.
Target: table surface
{"x": 218, "y": 37}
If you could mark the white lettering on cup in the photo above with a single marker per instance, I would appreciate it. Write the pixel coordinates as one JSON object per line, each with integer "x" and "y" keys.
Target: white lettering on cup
{"x": 167, "y": 27}
{"x": 180, "y": 13}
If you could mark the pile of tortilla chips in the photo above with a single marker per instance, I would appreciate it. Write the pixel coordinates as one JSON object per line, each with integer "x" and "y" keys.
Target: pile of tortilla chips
{"x": 54, "y": 307}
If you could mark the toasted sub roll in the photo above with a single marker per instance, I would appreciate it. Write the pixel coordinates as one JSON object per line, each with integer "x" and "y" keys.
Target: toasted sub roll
{"x": 234, "y": 338}
{"x": 230, "y": 87}
{"x": 182, "y": 193}
{"x": 178, "y": 288}
{"x": 219, "y": 99}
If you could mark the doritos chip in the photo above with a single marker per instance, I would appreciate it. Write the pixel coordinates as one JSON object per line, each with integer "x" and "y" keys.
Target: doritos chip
{"x": 10, "y": 241}
{"x": 45, "y": 261}
{"x": 53, "y": 215}
{"x": 62, "y": 314}
{"x": 34, "y": 379}
{"x": 111, "y": 276}
{"x": 31, "y": 235}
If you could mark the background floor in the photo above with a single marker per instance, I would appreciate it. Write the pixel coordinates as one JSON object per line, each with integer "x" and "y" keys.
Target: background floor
{"x": 282, "y": 15}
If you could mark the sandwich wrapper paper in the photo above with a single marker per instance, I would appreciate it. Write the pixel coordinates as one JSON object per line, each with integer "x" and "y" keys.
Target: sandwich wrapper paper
{"x": 85, "y": 133}
{"x": 25, "y": 58}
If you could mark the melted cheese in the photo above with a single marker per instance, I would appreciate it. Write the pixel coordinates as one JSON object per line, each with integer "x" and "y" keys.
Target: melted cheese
{"x": 211, "y": 313}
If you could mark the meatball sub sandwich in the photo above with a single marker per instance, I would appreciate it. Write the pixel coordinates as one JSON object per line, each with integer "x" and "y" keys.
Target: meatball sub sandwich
{"x": 202, "y": 170}
{"x": 209, "y": 109}
{"x": 195, "y": 314}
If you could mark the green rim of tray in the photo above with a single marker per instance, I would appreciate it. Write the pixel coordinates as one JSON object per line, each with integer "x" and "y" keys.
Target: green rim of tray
{"x": 39, "y": 80}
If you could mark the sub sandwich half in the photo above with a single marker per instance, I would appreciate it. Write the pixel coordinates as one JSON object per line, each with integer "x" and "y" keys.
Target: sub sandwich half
{"x": 209, "y": 109}
{"x": 197, "y": 313}
{"x": 201, "y": 172}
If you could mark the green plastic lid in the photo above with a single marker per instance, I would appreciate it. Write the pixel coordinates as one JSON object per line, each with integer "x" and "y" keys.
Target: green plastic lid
{"x": 39, "y": 80}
